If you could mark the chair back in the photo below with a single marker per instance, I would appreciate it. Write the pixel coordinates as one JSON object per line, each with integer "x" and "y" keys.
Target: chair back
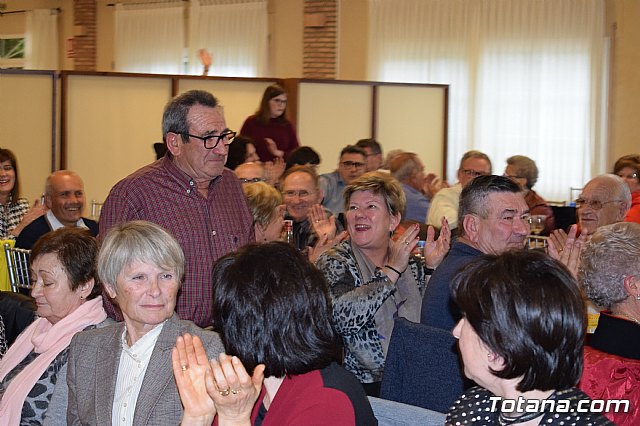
{"x": 422, "y": 367}
{"x": 392, "y": 413}
{"x": 96, "y": 209}
{"x": 18, "y": 266}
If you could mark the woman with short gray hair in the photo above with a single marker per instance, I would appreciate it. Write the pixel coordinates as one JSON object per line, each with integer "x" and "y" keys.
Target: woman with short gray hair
{"x": 610, "y": 274}
{"x": 141, "y": 266}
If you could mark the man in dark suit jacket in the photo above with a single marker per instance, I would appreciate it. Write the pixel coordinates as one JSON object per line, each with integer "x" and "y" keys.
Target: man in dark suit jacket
{"x": 64, "y": 197}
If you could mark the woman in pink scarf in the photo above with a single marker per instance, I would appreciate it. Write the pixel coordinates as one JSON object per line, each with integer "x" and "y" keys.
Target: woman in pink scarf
{"x": 33, "y": 387}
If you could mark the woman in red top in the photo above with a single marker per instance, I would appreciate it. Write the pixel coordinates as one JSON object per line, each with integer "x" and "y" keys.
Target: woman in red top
{"x": 272, "y": 310}
{"x": 273, "y": 135}
{"x": 628, "y": 168}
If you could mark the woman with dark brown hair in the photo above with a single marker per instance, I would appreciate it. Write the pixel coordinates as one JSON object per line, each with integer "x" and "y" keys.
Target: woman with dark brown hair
{"x": 15, "y": 213}
{"x": 273, "y": 135}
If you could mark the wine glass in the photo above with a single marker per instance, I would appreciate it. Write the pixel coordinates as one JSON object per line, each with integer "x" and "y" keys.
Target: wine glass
{"x": 536, "y": 223}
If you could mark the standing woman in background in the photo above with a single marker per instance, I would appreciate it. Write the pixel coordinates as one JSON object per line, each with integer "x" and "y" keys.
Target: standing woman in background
{"x": 15, "y": 213}
{"x": 273, "y": 135}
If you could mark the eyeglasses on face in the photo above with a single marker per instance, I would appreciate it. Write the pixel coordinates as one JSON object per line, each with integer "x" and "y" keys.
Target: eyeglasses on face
{"x": 254, "y": 180}
{"x": 212, "y": 141}
{"x": 301, "y": 193}
{"x": 594, "y": 204}
{"x": 279, "y": 101}
{"x": 352, "y": 164}
{"x": 473, "y": 173}
{"x": 630, "y": 176}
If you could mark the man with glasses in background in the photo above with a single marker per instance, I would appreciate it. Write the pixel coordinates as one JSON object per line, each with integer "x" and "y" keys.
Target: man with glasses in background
{"x": 445, "y": 202}
{"x": 190, "y": 194}
{"x": 353, "y": 162}
{"x": 373, "y": 152}
{"x": 604, "y": 200}
{"x": 302, "y": 194}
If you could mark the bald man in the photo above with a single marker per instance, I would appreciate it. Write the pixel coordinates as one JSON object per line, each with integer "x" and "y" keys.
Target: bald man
{"x": 64, "y": 197}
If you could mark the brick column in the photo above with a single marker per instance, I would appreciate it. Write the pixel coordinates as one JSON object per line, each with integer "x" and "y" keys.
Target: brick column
{"x": 84, "y": 34}
{"x": 320, "y": 39}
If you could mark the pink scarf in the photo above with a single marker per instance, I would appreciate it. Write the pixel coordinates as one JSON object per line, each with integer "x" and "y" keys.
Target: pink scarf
{"x": 48, "y": 340}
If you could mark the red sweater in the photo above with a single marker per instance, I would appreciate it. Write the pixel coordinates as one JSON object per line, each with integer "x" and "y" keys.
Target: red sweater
{"x": 331, "y": 396}
{"x": 633, "y": 215}
{"x": 283, "y": 134}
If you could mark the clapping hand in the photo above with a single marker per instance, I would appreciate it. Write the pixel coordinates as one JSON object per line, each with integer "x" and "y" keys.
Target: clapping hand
{"x": 322, "y": 223}
{"x": 233, "y": 390}
{"x": 569, "y": 253}
{"x": 273, "y": 148}
{"x": 191, "y": 370}
{"x": 273, "y": 170}
{"x": 435, "y": 251}
{"x": 400, "y": 250}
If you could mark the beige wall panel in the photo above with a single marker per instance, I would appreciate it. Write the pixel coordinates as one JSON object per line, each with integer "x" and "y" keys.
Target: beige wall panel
{"x": 353, "y": 40}
{"x": 112, "y": 123}
{"x": 25, "y": 127}
{"x": 331, "y": 116}
{"x": 240, "y": 99}
{"x": 412, "y": 119}
{"x": 286, "y": 38}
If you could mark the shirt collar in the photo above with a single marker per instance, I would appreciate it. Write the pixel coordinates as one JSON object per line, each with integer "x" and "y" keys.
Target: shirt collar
{"x": 54, "y": 223}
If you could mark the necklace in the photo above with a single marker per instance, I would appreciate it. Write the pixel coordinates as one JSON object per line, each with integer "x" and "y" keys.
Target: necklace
{"x": 628, "y": 316}
{"x": 505, "y": 421}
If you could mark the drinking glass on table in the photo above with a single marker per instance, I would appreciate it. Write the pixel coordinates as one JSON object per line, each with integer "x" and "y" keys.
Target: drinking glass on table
{"x": 536, "y": 225}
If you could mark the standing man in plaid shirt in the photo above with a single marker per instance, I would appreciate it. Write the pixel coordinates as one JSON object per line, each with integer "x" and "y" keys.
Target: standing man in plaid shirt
{"x": 189, "y": 193}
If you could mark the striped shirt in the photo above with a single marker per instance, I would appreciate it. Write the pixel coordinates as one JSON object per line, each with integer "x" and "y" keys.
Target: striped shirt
{"x": 205, "y": 228}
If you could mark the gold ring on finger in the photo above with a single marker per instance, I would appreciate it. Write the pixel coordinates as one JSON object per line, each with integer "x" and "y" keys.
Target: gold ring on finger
{"x": 225, "y": 392}
{"x": 235, "y": 392}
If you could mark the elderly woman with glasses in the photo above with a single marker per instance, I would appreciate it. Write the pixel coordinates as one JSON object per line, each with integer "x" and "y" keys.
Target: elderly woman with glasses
{"x": 121, "y": 374}
{"x": 628, "y": 168}
{"x": 272, "y": 133}
{"x": 520, "y": 338}
{"x": 373, "y": 279}
{"x": 610, "y": 274}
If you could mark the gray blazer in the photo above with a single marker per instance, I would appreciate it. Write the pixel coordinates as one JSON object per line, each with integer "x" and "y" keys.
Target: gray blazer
{"x": 92, "y": 371}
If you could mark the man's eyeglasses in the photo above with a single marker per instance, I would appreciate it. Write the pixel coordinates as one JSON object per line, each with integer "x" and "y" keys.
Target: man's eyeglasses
{"x": 210, "y": 142}
{"x": 473, "y": 173}
{"x": 302, "y": 193}
{"x": 594, "y": 204}
{"x": 254, "y": 180}
{"x": 352, "y": 164}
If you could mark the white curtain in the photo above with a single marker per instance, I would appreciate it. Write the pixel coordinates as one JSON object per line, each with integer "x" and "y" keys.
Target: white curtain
{"x": 150, "y": 38}
{"x": 235, "y": 32}
{"x": 41, "y": 39}
{"x": 526, "y": 77}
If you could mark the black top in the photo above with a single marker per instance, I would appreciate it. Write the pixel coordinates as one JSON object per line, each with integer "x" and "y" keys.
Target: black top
{"x": 616, "y": 336}
{"x": 475, "y": 407}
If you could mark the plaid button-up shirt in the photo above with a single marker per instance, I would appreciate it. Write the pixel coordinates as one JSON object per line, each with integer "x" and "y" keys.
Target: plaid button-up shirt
{"x": 206, "y": 228}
